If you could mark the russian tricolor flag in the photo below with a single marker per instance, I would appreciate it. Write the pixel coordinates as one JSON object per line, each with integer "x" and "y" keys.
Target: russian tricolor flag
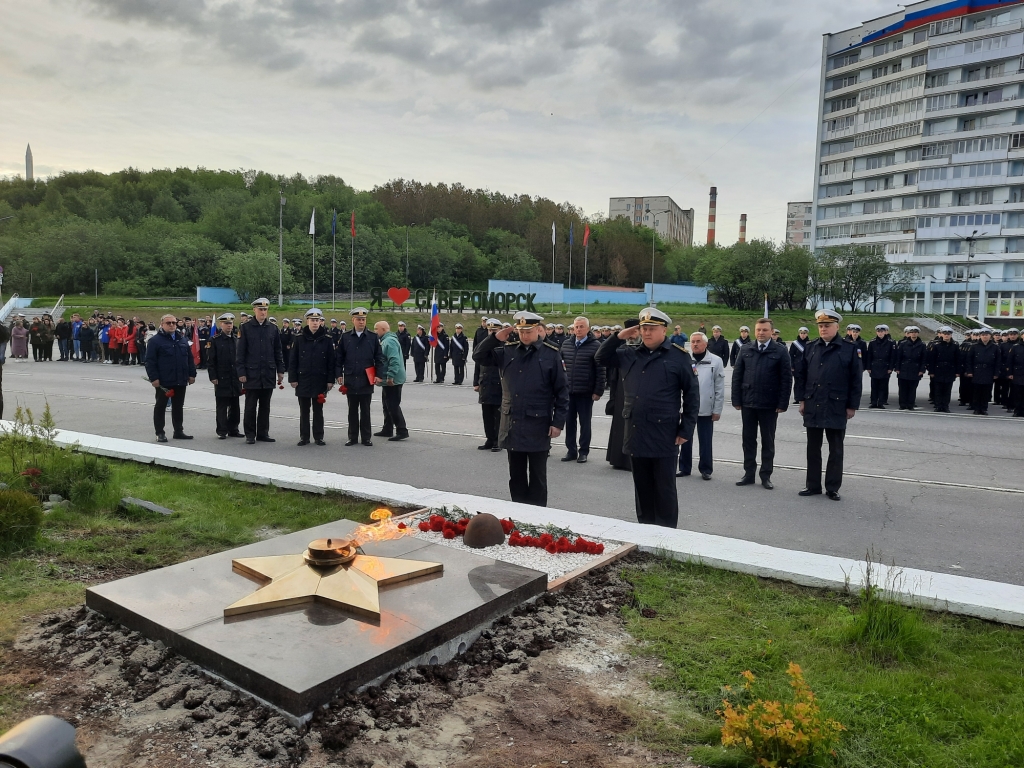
{"x": 434, "y": 320}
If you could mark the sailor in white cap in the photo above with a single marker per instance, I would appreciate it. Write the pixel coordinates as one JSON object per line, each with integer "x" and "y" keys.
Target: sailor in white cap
{"x": 1015, "y": 372}
{"x": 459, "y": 353}
{"x": 405, "y": 342}
{"x": 878, "y": 362}
{"x": 910, "y": 366}
{"x": 259, "y": 360}
{"x": 223, "y": 371}
{"x": 420, "y": 351}
{"x": 943, "y": 367}
{"x": 311, "y": 372}
{"x": 535, "y": 390}
{"x": 662, "y": 400}
{"x": 983, "y": 362}
{"x": 737, "y": 345}
{"x": 717, "y": 343}
{"x": 796, "y": 348}
{"x": 441, "y": 353}
{"x": 358, "y": 352}
{"x": 828, "y": 384}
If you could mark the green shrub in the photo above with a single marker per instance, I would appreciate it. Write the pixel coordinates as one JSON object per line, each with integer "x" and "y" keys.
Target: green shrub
{"x": 20, "y": 518}
{"x": 886, "y": 630}
{"x": 64, "y": 471}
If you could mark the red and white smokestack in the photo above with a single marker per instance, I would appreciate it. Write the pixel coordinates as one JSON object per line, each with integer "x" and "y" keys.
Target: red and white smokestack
{"x": 711, "y": 215}
{"x": 743, "y": 227}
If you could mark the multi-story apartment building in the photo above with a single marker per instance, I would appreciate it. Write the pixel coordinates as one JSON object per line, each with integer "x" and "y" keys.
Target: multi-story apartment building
{"x": 920, "y": 152}
{"x": 799, "y": 220}
{"x": 676, "y": 225}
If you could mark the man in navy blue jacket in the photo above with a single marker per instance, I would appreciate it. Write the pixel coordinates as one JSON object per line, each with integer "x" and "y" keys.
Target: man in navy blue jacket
{"x": 170, "y": 368}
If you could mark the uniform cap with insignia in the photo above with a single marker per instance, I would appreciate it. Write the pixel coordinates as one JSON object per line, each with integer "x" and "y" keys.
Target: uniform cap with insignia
{"x": 227, "y": 316}
{"x": 652, "y": 316}
{"x": 559, "y": 325}
{"x": 506, "y": 325}
{"x": 296, "y": 320}
{"x": 827, "y": 316}
{"x": 713, "y": 327}
{"x": 401, "y": 323}
{"x": 261, "y": 303}
{"x": 457, "y": 325}
{"x": 881, "y": 327}
{"x": 526, "y": 319}
{"x": 985, "y": 331}
{"x": 334, "y": 320}
{"x": 1013, "y": 330}
{"x": 243, "y": 314}
{"x": 549, "y": 326}
{"x": 853, "y": 327}
{"x": 745, "y": 328}
{"x": 618, "y": 327}
{"x": 273, "y": 320}
{"x": 492, "y": 322}
{"x": 420, "y": 327}
{"x": 359, "y": 312}
{"x": 945, "y": 329}
{"x": 440, "y": 324}
{"x": 802, "y": 329}
{"x": 314, "y": 312}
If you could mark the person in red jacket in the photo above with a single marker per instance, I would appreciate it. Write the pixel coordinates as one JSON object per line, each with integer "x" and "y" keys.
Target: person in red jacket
{"x": 130, "y": 350}
{"x": 116, "y": 340}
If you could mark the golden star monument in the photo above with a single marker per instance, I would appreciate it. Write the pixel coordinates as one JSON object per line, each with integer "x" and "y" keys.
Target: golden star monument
{"x": 329, "y": 571}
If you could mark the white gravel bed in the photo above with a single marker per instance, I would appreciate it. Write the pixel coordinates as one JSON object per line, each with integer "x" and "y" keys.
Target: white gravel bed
{"x": 554, "y": 566}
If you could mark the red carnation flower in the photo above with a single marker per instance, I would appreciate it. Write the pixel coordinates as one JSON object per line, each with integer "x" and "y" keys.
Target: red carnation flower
{"x": 168, "y": 393}
{"x": 424, "y": 526}
{"x": 507, "y": 526}
{"x": 436, "y": 527}
{"x": 243, "y": 390}
{"x": 448, "y": 533}
{"x": 401, "y": 526}
{"x": 552, "y": 549}
{"x": 321, "y": 398}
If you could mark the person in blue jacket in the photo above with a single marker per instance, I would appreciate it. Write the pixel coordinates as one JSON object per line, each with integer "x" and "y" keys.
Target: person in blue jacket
{"x": 170, "y": 368}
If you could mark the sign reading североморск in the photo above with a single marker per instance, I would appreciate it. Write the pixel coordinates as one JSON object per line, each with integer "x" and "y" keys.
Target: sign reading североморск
{"x": 457, "y": 301}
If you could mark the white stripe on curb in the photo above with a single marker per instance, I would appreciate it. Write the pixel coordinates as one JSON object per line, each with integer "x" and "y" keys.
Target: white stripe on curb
{"x": 958, "y": 594}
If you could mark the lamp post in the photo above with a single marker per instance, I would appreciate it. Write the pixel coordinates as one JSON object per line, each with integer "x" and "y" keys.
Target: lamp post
{"x": 654, "y": 241}
{"x": 280, "y": 254}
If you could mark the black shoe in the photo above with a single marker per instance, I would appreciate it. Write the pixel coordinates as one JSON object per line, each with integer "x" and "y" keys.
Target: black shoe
{"x": 161, "y": 438}
{"x": 705, "y": 476}
{"x": 903, "y": 407}
{"x": 396, "y": 438}
{"x": 767, "y": 485}
{"x": 265, "y": 439}
{"x": 368, "y": 443}
{"x": 181, "y": 436}
{"x": 250, "y": 441}
{"x": 682, "y": 474}
{"x": 352, "y": 442}
{"x": 485, "y": 447}
{"x": 570, "y": 457}
{"x": 746, "y": 481}
{"x": 834, "y": 495}
{"x": 495, "y": 449}
{"x": 303, "y": 442}
{"x": 222, "y": 437}
{"x": 582, "y": 459}
{"x": 235, "y": 434}
{"x": 382, "y": 433}
{"x": 882, "y": 407}
{"x": 808, "y": 492}
{"x": 320, "y": 441}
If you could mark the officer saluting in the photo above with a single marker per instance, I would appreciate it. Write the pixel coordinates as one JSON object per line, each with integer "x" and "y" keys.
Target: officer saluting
{"x": 258, "y": 359}
{"x": 220, "y": 361}
{"x": 828, "y": 386}
{"x": 534, "y": 403}
{"x": 358, "y": 351}
{"x": 654, "y": 374}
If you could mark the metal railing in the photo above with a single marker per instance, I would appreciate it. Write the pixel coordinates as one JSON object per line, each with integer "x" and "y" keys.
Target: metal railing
{"x": 8, "y": 308}
{"x": 58, "y": 309}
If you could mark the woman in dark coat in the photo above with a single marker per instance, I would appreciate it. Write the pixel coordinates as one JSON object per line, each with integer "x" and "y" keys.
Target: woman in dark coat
{"x": 420, "y": 352}
{"x": 489, "y": 386}
{"x": 311, "y": 374}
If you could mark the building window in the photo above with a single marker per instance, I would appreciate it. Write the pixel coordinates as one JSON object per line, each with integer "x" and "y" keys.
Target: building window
{"x": 845, "y": 60}
{"x": 944, "y": 27}
{"x": 987, "y": 44}
{"x": 627, "y": 206}
{"x": 920, "y": 36}
{"x": 937, "y": 81}
{"x": 918, "y": 60}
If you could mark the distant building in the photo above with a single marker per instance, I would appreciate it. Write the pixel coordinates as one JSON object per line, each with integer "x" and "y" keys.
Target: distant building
{"x": 676, "y": 225}
{"x": 798, "y": 224}
{"x": 28, "y": 163}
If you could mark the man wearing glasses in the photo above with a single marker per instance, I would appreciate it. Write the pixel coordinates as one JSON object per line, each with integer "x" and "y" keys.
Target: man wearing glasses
{"x": 259, "y": 359}
{"x": 170, "y": 368}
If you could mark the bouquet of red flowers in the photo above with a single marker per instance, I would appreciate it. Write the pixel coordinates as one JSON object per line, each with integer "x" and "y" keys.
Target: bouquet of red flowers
{"x": 321, "y": 398}
{"x": 168, "y": 393}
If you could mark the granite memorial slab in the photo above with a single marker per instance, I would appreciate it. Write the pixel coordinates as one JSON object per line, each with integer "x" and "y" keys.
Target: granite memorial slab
{"x": 299, "y": 647}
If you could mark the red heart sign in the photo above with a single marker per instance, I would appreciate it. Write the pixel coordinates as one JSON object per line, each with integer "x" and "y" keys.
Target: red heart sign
{"x": 399, "y": 295}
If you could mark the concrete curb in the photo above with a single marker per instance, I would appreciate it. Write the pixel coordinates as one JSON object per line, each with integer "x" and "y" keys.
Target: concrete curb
{"x": 979, "y": 598}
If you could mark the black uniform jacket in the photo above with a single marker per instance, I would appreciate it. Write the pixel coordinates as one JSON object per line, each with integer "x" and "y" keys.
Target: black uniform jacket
{"x": 312, "y": 362}
{"x": 983, "y": 361}
{"x": 459, "y": 349}
{"x": 489, "y": 380}
{"x": 420, "y": 348}
{"x": 880, "y": 357}
{"x": 655, "y": 383}
{"x": 259, "y": 356}
{"x": 829, "y": 381}
{"x": 796, "y": 350}
{"x": 762, "y": 379}
{"x": 734, "y": 350}
{"x": 720, "y": 347}
{"x": 441, "y": 350}
{"x": 965, "y": 348}
{"x": 404, "y": 340}
{"x": 911, "y": 359}
{"x": 355, "y": 354}
{"x": 534, "y": 393}
{"x": 220, "y": 364}
{"x": 1015, "y": 364}
{"x": 944, "y": 360}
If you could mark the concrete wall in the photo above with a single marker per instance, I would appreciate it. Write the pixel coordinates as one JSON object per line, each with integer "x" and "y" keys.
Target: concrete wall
{"x": 559, "y": 294}
{"x": 210, "y": 295}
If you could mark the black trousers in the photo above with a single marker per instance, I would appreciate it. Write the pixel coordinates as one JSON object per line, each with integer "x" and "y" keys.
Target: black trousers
{"x": 1018, "y": 400}
{"x": 765, "y": 420}
{"x": 908, "y": 392}
{"x": 420, "y": 366}
{"x": 982, "y": 395}
{"x": 359, "y": 417}
{"x": 966, "y": 391}
{"x": 1001, "y": 392}
{"x": 492, "y": 421}
{"x": 941, "y": 392}
{"x": 394, "y": 419}
{"x": 879, "y": 391}
{"x": 257, "y": 412}
{"x": 440, "y": 367}
{"x": 460, "y": 371}
{"x": 834, "y": 467}
{"x": 228, "y": 415}
{"x": 705, "y": 434}
{"x": 654, "y": 489}
{"x": 177, "y": 410}
{"x": 581, "y": 407}
{"x": 1, "y": 391}
{"x": 305, "y": 404}
{"x": 528, "y": 477}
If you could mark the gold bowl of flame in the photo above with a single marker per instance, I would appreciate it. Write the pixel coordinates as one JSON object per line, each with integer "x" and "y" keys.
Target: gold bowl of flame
{"x": 330, "y": 552}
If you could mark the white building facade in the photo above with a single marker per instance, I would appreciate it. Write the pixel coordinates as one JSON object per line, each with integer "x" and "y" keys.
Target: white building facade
{"x": 675, "y": 226}
{"x": 920, "y": 152}
{"x": 800, "y": 224}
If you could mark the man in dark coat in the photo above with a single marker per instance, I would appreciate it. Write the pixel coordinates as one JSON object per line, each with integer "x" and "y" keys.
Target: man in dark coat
{"x": 335, "y": 332}
{"x": 879, "y": 361}
{"x": 829, "y": 381}
{"x": 63, "y": 334}
{"x": 586, "y": 386}
{"x": 260, "y": 364}
{"x": 559, "y": 336}
{"x": 943, "y": 368}
{"x": 762, "y": 380}
{"x": 1005, "y": 384}
{"x": 661, "y": 403}
{"x": 797, "y": 346}
{"x": 170, "y": 368}
{"x": 222, "y": 367}
{"x": 910, "y": 366}
{"x": 1015, "y": 371}
{"x": 404, "y": 341}
{"x": 311, "y": 371}
{"x": 441, "y": 354}
{"x": 966, "y": 397}
{"x": 737, "y": 345}
{"x": 420, "y": 350}
{"x": 982, "y": 366}
{"x": 459, "y": 353}
{"x": 488, "y": 384}
{"x": 358, "y": 352}
{"x": 718, "y": 344}
{"x": 204, "y": 338}
{"x": 534, "y": 404}
{"x": 479, "y": 335}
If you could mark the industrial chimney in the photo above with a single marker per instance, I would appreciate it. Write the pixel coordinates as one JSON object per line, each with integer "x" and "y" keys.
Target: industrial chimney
{"x": 29, "y": 175}
{"x": 743, "y": 227}
{"x": 711, "y": 215}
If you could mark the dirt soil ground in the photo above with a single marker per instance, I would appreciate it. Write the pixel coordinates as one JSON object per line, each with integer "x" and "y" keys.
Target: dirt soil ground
{"x": 549, "y": 685}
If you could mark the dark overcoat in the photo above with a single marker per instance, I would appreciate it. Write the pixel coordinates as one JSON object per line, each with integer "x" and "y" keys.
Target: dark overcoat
{"x": 459, "y": 349}
{"x": 221, "y": 365}
{"x": 880, "y": 357}
{"x": 944, "y": 360}
{"x": 259, "y": 357}
{"x": 169, "y": 360}
{"x": 355, "y": 354}
{"x": 829, "y": 381}
{"x": 312, "y": 362}
{"x": 983, "y": 362}
{"x": 911, "y": 359}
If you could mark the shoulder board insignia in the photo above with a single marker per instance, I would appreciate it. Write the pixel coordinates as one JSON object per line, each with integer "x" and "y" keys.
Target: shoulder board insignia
{"x": 512, "y": 343}
{"x": 680, "y": 347}
{"x": 551, "y": 346}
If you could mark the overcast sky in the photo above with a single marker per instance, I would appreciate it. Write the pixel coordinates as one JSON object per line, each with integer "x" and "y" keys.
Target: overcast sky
{"x": 575, "y": 100}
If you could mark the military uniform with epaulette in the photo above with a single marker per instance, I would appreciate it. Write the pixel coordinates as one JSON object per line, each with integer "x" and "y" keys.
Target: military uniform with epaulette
{"x": 227, "y": 389}
{"x": 260, "y": 360}
{"x": 966, "y": 394}
{"x": 943, "y": 368}
{"x": 357, "y": 353}
{"x": 661, "y": 400}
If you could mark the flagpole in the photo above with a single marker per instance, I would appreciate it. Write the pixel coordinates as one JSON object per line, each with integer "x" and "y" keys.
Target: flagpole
{"x": 334, "y": 257}
{"x": 552, "y": 266}
{"x": 313, "y": 239}
{"x": 352, "y": 276}
{"x": 569, "y": 304}
{"x": 585, "y": 247}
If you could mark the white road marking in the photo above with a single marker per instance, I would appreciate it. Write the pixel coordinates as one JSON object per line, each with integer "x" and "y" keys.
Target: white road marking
{"x": 116, "y": 381}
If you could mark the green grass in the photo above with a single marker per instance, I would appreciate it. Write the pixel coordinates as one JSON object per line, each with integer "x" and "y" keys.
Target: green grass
{"x": 913, "y": 688}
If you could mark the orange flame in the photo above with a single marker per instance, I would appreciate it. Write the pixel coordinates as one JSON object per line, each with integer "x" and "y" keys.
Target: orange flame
{"x": 385, "y": 529}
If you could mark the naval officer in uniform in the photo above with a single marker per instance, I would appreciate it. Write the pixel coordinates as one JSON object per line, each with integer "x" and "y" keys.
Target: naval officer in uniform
{"x": 258, "y": 359}
{"x": 534, "y": 403}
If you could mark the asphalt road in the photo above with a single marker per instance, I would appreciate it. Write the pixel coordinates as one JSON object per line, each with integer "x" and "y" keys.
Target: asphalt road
{"x": 933, "y": 491}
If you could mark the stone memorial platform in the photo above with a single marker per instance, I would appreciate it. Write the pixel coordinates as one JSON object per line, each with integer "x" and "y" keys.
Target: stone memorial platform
{"x": 298, "y": 653}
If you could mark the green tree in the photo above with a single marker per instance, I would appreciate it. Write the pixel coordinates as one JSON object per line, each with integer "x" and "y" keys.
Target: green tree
{"x": 255, "y": 273}
{"x": 855, "y": 276}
